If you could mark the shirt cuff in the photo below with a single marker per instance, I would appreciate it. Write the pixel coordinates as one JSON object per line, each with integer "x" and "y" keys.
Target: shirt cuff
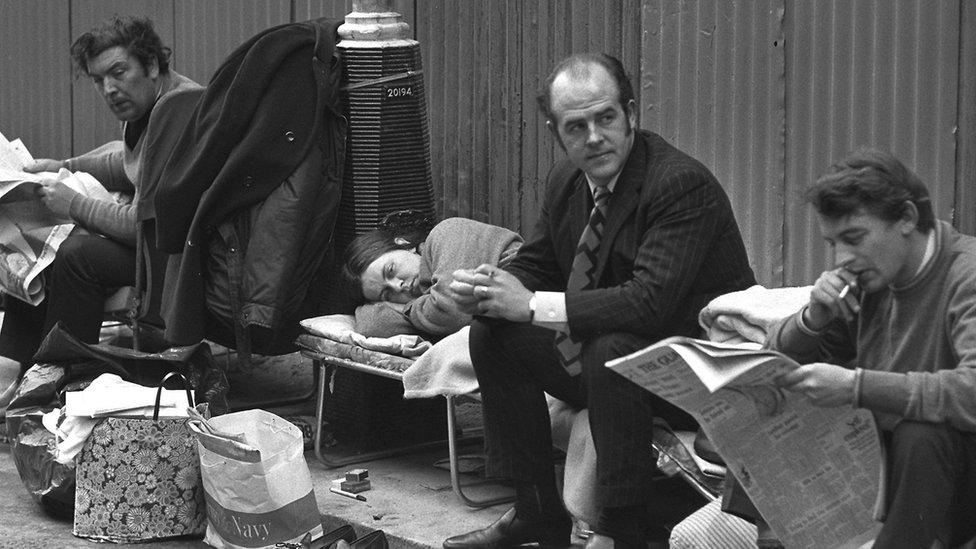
{"x": 550, "y": 310}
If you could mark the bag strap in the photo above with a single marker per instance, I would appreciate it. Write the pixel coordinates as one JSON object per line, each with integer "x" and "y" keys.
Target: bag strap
{"x": 159, "y": 392}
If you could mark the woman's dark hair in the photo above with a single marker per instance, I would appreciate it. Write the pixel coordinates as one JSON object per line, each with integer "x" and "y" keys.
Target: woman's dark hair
{"x": 412, "y": 226}
{"x": 135, "y": 34}
{"x": 875, "y": 182}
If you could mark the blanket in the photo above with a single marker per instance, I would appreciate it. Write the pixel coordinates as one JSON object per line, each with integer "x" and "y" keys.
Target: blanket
{"x": 443, "y": 370}
{"x": 750, "y": 314}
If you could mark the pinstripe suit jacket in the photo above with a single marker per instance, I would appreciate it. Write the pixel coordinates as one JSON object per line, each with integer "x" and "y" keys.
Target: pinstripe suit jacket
{"x": 671, "y": 244}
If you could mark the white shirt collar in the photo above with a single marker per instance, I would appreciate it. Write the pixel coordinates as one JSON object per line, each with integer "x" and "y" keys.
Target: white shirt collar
{"x": 610, "y": 186}
{"x": 929, "y": 252}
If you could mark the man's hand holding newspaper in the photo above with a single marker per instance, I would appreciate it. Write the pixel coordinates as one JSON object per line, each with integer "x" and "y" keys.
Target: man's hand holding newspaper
{"x": 814, "y": 473}
{"x": 34, "y": 218}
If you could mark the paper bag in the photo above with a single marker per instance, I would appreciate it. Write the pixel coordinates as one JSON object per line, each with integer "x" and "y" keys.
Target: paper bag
{"x": 257, "y": 486}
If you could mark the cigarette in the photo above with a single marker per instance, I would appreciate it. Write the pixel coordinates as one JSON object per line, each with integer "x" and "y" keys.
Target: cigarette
{"x": 845, "y": 291}
{"x": 360, "y": 497}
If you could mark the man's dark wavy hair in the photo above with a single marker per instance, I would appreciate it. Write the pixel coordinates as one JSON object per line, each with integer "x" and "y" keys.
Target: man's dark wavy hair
{"x": 579, "y": 63}
{"x": 135, "y": 34}
{"x": 875, "y": 182}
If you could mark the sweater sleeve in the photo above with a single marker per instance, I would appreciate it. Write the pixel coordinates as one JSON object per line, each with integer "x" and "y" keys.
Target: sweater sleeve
{"x": 435, "y": 313}
{"x": 947, "y": 392}
{"x": 834, "y": 344}
{"x": 116, "y": 221}
{"x": 106, "y": 164}
{"x": 457, "y": 243}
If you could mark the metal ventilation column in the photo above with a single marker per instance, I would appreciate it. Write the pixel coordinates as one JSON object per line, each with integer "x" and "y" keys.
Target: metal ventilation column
{"x": 388, "y": 144}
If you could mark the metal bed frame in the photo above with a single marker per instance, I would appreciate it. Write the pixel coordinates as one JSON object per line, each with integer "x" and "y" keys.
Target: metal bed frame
{"x": 324, "y": 364}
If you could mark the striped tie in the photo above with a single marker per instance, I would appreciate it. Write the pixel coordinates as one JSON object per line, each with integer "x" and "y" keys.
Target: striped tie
{"x": 583, "y": 274}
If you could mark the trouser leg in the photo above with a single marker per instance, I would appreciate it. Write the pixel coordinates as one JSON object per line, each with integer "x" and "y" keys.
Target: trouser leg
{"x": 22, "y": 330}
{"x": 85, "y": 270}
{"x": 931, "y": 486}
{"x": 621, "y": 422}
{"x": 515, "y": 364}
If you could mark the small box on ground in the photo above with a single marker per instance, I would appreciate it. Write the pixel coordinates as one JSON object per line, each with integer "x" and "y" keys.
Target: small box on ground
{"x": 357, "y": 475}
{"x": 355, "y": 487}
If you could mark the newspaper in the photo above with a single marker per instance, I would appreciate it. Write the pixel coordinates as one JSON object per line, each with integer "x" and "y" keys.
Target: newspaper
{"x": 814, "y": 473}
{"x": 30, "y": 234}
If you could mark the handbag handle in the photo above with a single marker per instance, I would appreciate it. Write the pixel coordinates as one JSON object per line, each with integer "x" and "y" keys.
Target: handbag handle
{"x": 159, "y": 392}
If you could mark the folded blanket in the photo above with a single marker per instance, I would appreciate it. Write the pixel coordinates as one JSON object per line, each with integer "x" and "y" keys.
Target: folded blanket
{"x": 342, "y": 328}
{"x": 748, "y": 315}
{"x": 443, "y": 370}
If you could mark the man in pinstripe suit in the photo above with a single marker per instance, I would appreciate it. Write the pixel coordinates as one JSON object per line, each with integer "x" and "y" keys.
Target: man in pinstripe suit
{"x": 667, "y": 243}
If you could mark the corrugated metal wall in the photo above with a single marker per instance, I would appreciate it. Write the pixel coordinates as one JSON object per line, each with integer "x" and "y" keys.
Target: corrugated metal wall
{"x": 769, "y": 94}
{"x": 868, "y": 73}
{"x": 766, "y": 93}
{"x": 485, "y": 62}
{"x": 211, "y": 29}
{"x": 35, "y": 88}
{"x": 59, "y": 115}
{"x": 713, "y": 85}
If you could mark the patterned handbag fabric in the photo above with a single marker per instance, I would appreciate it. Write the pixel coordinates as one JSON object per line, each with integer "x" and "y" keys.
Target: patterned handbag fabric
{"x": 139, "y": 480}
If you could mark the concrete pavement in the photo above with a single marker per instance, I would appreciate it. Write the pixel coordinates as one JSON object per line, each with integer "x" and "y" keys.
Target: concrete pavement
{"x": 411, "y": 500}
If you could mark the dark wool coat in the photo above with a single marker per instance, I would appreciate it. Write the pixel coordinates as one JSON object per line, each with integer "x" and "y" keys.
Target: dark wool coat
{"x": 255, "y": 183}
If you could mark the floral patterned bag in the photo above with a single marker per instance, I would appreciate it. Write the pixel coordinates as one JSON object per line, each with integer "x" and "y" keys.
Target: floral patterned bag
{"x": 139, "y": 480}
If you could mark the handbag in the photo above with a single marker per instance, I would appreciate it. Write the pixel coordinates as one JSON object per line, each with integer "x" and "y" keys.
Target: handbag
{"x": 139, "y": 479}
{"x": 65, "y": 363}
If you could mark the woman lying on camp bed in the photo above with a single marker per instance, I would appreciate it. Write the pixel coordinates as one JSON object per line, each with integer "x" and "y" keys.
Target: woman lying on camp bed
{"x": 404, "y": 271}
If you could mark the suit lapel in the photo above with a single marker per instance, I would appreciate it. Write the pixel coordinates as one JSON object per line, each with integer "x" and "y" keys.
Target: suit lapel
{"x": 578, "y": 214}
{"x": 623, "y": 201}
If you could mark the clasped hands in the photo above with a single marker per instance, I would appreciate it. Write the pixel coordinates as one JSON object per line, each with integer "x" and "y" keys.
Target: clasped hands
{"x": 54, "y": 194}
{"x": 490, "y": 291}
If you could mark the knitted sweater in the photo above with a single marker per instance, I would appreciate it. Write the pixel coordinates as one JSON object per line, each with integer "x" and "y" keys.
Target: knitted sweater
{"x": 916, "y": 342}
{"x": 455, "y": 243}
{"x": 119, "y": 168}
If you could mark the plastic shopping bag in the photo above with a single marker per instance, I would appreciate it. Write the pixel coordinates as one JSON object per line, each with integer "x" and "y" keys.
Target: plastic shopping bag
{"x": 256, "y": 483}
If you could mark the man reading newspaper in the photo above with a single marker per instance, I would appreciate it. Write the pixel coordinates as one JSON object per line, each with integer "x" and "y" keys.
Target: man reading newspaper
{"x": 129, "y": 67}
{"x": 892, "y": 329}
{"x": 30, "y": 233}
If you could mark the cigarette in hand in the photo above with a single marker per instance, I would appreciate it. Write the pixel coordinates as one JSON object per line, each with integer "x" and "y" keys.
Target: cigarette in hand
{"x": 845, "y": 291}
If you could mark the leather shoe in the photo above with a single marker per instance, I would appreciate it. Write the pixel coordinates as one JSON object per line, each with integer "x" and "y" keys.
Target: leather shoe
{"x": 510, "y": 531}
